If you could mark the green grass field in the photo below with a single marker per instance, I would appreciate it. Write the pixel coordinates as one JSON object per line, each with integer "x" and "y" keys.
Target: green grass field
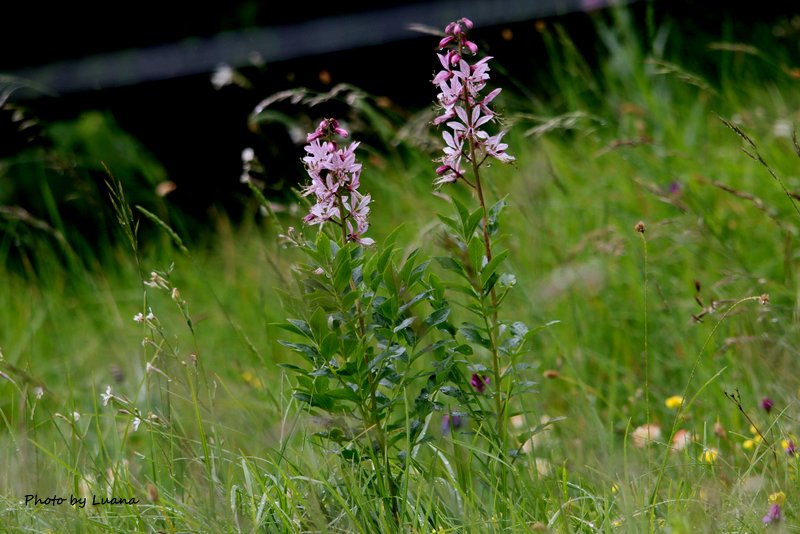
{"x": 202, "y": 429}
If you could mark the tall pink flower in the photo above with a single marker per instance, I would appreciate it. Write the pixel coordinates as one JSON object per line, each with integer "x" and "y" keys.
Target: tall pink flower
{"x": 335, "y": 177}
{"x": 463, "y": 109}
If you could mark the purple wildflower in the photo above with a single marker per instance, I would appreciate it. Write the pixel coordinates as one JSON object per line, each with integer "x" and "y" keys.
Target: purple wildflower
{"x": 335, "y": 177}
{"x": 767, "y": 404}
{"x": 773, "y": 515}
{"x": 463, "y": 109}
{"x": 451, "y": 422}
{"x": 479, "y": 382}
{"x": 790, "y": 448}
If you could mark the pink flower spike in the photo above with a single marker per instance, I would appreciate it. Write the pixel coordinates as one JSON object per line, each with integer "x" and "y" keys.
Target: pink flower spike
{"x": 446, "y": 41}
{"x": 449, "y": 29}
{"x": 313, "y": 136}
{"x": 468, "y": 23}
{"x": 473, "y": 48}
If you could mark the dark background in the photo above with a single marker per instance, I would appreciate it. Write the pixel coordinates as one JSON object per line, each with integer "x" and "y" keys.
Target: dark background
{"x": 198, "y": 132}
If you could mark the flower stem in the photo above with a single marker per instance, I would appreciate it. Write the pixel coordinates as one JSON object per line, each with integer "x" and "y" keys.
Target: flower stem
{"x": 369, "y": 411}
{"x": 492, "y": 326}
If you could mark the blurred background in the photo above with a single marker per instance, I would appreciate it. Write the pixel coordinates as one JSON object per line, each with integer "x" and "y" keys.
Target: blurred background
{"x": 164, "y": 94}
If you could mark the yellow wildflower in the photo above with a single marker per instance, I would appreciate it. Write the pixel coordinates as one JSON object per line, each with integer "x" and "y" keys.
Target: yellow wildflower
{"x": 674, "y": 402}
{"x": 252, "y": 380}
{"x": 777, "y": 498}
{"x": 709, "y": 455}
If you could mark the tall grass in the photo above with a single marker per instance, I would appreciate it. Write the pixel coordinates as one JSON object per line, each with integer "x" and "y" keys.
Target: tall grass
{"x": 221, "y": 445}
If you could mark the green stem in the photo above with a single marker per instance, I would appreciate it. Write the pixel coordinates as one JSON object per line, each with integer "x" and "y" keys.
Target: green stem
{"x": 492, "y": 326}
{"x": 370, "y": 412}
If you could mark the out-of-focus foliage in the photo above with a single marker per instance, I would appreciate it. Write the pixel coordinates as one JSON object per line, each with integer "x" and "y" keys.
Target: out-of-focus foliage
{"x": 52, "y": 182}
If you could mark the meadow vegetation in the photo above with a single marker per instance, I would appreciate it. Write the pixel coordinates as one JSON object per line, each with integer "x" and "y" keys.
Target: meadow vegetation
{"x": 652, "y": 227}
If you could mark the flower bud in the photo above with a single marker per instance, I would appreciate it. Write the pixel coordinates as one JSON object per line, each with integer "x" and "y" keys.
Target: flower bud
{"x": 447, "y": 40}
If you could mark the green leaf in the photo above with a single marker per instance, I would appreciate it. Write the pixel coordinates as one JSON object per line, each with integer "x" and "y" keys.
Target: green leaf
{"x": 434, "y": 346}
{"x": 437, "y": 285}
{"x": 329, "y": 346}
{"x": 302, "y": 327}
{"x": 342, "y": 270}
{"x": 323, "y": 245}
{"x": 290, "y": 326}
{"x": 417, "y": 273}
{"x": 405, "y": 272}
{"x": 389, "y": 279}
{"x": 438, "y": 316}
{"x": 405, "y": 324}
{"x": 344, "y": 394}
{"x": 490, "y": 283}
{"x": 349, "y": 300}
{"x": 383, "y": 259}
{"x": 463, "y": 215}
{"x": 464, "y": 349}
{"x": 472, "y": 223}
{"x": 308, "y": 351}
{"x": 418, "y": 297}
{"x": 451, "y": 223}
{"x": 319, "y": 323}
{"x": 476, "y": 250}
{"x": 452, "y": 265}
{"x": 492, "y": 266}
{"x": 472, "y": 333}
{"x": 293, "y": 368}
{"x": 494, "y": 214}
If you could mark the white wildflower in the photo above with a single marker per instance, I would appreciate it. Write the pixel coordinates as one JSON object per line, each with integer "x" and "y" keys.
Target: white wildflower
{"x": 107, "y": 396}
